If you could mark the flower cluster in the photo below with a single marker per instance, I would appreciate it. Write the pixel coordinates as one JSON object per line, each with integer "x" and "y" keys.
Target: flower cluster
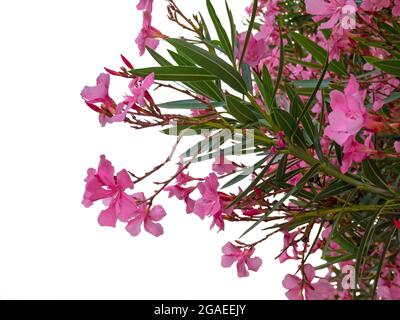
{"x": 311, "y": 88}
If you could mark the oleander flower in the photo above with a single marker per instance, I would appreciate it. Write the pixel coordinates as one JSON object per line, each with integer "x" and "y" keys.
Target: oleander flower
{"x": 242, "y": 257}
{"x": 101, "y": 184}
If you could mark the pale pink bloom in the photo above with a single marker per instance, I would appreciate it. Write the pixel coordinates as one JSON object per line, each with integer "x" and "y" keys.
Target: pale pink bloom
{"x": 396, "y": 8}
{"x": 389, "y": 283}
{"x": 255, "y": 52}
{"x": 397, "y": 146}
{"x": 182, "y": 193}
{"x": 320, "y": 290}
{"x": 242, "y": 257}
{"x": 289, "y": 244}
{"x": 99, "y": 95}
{"x": 212, "y": 203}
{"x": 102, "y": 184}
{"x": 271, "y": 62}
{"x": 209, "y": 203}
{"x": 375, "y": 5}
{"x": 148, "y": 36}
{"x": 145, "y": 5}
{"x": 353, "y": 151}
{"x": 139, "y": 87}
{"x": 330, "y": 9}
{"x": 339, "y": 42}
{"x": 182, "y": 178}
{"x": 144, "y": 215}
{"x": 223, "y": 166}
{"x": 348, "y": 112}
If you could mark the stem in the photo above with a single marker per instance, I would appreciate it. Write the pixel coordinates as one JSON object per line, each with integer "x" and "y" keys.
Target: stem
{"x": 334, "y": 172}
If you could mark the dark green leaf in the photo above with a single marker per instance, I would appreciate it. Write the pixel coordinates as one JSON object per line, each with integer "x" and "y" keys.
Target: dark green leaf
{"x": 249, "y": 31}
{"x": 245, "y": 173}
{"x": 240, "y": 110}
{"x": 390, "y": 66}
{"x": 223, "y": 37}
{"x": 212, "y": 64}
{"x": 175, "y": 73}
{"x": 373, "y": 174}
{"x": 189, "y": 104}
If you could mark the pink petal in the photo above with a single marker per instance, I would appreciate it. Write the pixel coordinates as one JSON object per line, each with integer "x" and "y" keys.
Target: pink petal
{"x": 106, "y": 171}
{"x": 227, "y": 261}
{"x": 309, "y": 272}
{"x": 230, "y": 249}
{"x": 242, "y": 270}
{"x": 157, "y": 213}
{"x": 317, "y": 7}
{"x": 290, "y": 282}
{"x": 108, "y": 217}
{"x": 254, "y": 263}
{"x": 124, "y": 180}
{"x": 294, "y": 294}
{"x": 154, "y": 228}
{"x": 127, "y": 207}
{"x": 134, "y": 226}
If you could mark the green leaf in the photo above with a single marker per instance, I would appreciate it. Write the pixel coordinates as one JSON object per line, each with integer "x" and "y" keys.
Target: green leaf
{"x": 390, "y": 66}
{"x": 189, "y": 104}
{"x": 311, "y": 84}
{"x": 373, "y": 174}
{"x": 299, "y": 186}
{"x": 249, "y": 31}
{"x": 205, "y": 88}
{"x": 223, "y": 37}
{"x": 364, "y": 244}
{"x": 238, "y": 109}
{"x": 285, "y": 121}
{"x": 252, "y": 184}
{"x": 272, "y": 102}
{"x": 319, "y": 53}
{"x": 159, "y": 58}
{"x": 212, "y": 64}
{"x": 232, "y": 25}
{"x": 246, "y": 72}
{"x": 267, "y": 84}
{"x": 335, "y": 188}
{"x": 335, "y": 260}
{"x": 245, "y": 173}
{"x": 175, "y": 73}
{"x": 280, "y": 173}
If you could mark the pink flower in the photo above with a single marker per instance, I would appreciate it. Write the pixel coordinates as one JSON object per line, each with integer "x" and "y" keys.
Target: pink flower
{"x": 348, "y": 113}
{"x": 99, "y": 95}
{"x": 102, "y": 184}
{"x": 223, "y": 166}
{"x": 182, "y": 194}
{"x": 396, "y": 8}
{"x": 143, "y": 214}
{"x": 242, "y": 257}
{"x": 212, "y": 203}
{"x": 330, "y": 9}
{"x": 145, "y": 5}
{"x": 397, "y": 146}
{"x": 355, "y": 152}
{"x": 321, "y": 290}
{"x": 148, "y": 36}
{"x": 375, "y": 5}
{"x": 257, "y": 49}
{"x": 289, "y": 243}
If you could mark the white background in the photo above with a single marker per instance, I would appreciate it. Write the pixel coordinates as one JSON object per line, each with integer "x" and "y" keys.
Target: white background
{"x": 50, "y": 245}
